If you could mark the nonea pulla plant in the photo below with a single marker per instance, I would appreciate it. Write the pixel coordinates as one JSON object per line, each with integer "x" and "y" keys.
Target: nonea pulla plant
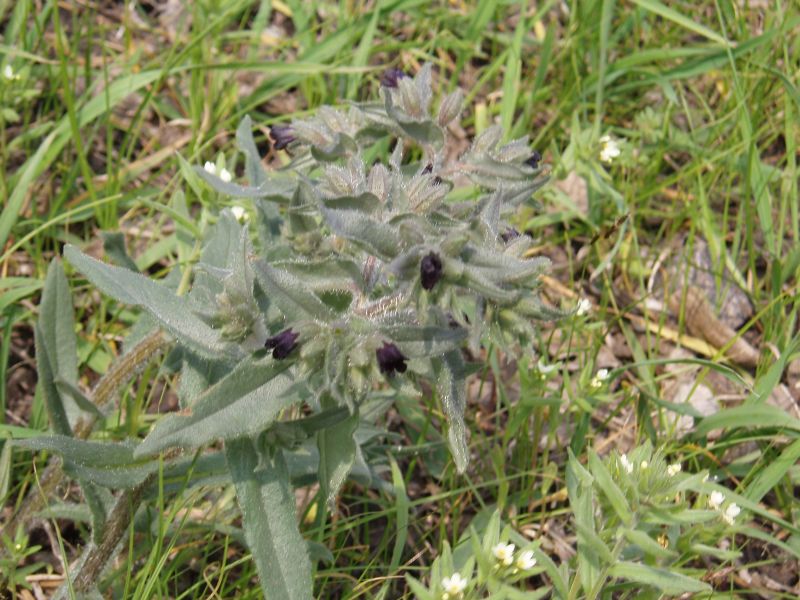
{"x": 365, "y": 267}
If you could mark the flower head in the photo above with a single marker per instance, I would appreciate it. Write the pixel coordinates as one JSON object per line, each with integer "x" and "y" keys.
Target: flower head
{"x": 543, "y": 368}
{"x": 584, "y": 306}
{"x": 454, "y": 585}
{"x": 509, "y": 234}
{"x": 525, "y": 560}
{"x": 390, "y": 359}
{"x": 731, "y": 512}
{"x": 225, "y": 175}
{"x": 626, "y": 464}
{"x": 716, "y": 499}
{"x": 282, "y": 344}
{"x": 430, "y": 270}
{"x": 390, "y": 77}
{"x": 9, "y": 74}
{"x": 609, "y": 149}
{"x": 282, "y": 136}
{"x": 504, "y": 553}
{"x": 534, "y": 160}
{"x": 210, "y": 167}
{"x": 673, "y": 469}
{"x": 598, "y": 379}
{"x": 239, "y": 213}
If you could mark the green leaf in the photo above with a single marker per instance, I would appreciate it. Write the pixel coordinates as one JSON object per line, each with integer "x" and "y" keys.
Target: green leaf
{"x": 171, "y": 311}
{"x": 647, "y": 544}
{"x": 453, "y": 395}
{"x": 337, "y": 453}
{"x": 747, "y": 415}
{"x": 244, "y": 403}
{"x": 114, "y": 246}
{"x": 769, "y": 477}
{"x": 679, "y": 19}
{"x": 375, "y": 237}
{"x": 418, "y": 342}
{"x": 46, "y": 379}
{"x": 609, "y": 488}
{"x": 270, "y": 524}
{"x": 289, "y": 293}
{"x": 402, "y": 506}
{"x": 669, "y": 582}
{"x": 253, "y": 169}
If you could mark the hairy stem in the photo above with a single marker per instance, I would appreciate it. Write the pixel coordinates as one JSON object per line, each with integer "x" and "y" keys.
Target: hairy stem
{"x": 118, "y": 374}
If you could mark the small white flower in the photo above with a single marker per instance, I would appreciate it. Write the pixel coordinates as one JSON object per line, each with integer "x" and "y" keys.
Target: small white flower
{"x": 8, "y": 73}
{"x": 599, "y": 378}
{"x": 239, "y": 212}
{"x": 626, "y": 464}
{"x": 674, "y": 469}
{"x": 525, "y": 560}
{"x": 210, "y": 167}
{"x": 543, "y": 368}
{"x": 644, "y": 464}
{"x": 504, "y": 553}
{"x": 731, "y": 512}
{"x": 609, "y": 149}
{"x": 225, "y": 175}
{"x": 454, "y": 585}
{"x": 584, "y": 306}
{"x": 716, "y": 499}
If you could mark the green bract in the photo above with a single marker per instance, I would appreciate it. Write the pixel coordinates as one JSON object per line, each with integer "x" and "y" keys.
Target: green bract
{"x": 354, "y": 272}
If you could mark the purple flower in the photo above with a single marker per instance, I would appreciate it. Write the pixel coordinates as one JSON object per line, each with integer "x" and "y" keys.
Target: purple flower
{"x": 282, "y": 136}
{"x": 283, "y": 343}
{"x": 533, "y": 161}
{"x": 391, "y": 76}
{"x": 390, "y": 359}
{"x": 430, "y": 270}
{"x": 509, "y": 234}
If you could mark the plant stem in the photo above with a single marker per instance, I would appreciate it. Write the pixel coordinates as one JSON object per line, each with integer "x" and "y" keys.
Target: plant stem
{"x": 117, "y": 375}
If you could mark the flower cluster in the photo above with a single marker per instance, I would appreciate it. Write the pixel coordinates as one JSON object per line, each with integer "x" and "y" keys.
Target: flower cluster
{"x": 716, "y": 500}
{"x": 504, "y": 554}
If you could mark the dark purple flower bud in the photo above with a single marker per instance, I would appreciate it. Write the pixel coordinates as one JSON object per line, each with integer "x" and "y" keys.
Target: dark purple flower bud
{"x": 533, "y": 161}
{"x": 390, "y": 359}
{"x": 282, "y": 135}
{"x": 430, "y": 270}
{"x": 428, "y": 169}
{"x": 283, "y": 343}
{"x": 509, "y": 234}
{"x": 391, "y": 76}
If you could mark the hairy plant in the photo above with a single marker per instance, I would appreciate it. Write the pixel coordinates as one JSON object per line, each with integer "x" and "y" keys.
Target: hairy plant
{"x": 344, "y": 280}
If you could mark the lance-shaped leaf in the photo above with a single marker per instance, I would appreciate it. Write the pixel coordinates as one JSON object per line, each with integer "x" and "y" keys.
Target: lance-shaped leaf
{"x": 375, "y": 237}
{"x": 277, "y": 190}
{"x": 52, "y": 398}
{"x": 171, "y": 311}
{"x": 114, "y": 246}
{"x": 56, "y": 339}
{"x": 337, "y": 453}
{"x": 253, "y": 169}
{"x": 289, "y": 293}
{"x": 325, "y": 275}
{"x": 424, "y": 131}
{"x": 417, "y": 341}
{"x": 452, "y": 388}
{"x": 667, "y": 581}
{"x": 244, "y": 403}
{"x": 270, "y": 525}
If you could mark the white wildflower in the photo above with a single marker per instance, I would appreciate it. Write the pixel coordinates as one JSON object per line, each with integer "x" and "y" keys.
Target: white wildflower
{"x": 525, "y": 560}
{"x": 716, "y": 499}
{"x": 644, "y": 464}
{"x": 9, "y": 74}
{"x": 599, "y": 378}
{"x": 210, "y": 167}
{"x": 626, "y": 464}
{"x": 584, "y": 306}
{"x": 225, "y": 175}
{"x": 673, "y": 469}
{"x": 454, "y": 585}
{"x": 543, "y": 368}
{"x": 239, "y": 212}
{"x": 609, "y": 149}
{"x": 731, "y": 512}
{"x": 504, "y": 553}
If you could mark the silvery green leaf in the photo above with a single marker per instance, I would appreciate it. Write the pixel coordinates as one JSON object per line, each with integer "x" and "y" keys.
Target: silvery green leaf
{"x": 450, "y": 108}
{"x": 451, "y": 387}
{"x": 423, "y": 83}
{"x": 325, "y": 275}
{"x": 70, "y": 390}
{"x": 477, "y": 280}
{"x": 290, "y": 294}
{"x": 406, "y": 264}
{"x": 302, "y": 208}
{"x": 379, "y": 182}
{"x": 424, "y": 194}
{"x": 244, "y": 403}
{"x": 337, "y": 452}
{"x": 114, "y": 247}
{"x": 668, "y": 581}
{"x": 172, "y": 312}
{"x": 46, "y": 379}
{"x": 487, "y": 140}
{"x": 378, "y": 238}
{"x": 341, "y": 146}
{"x": 270, "y": 525}
{"x": 424, "y": 131}
{"x": 278, "y": 190}
{"x": 515, "y": 151}
{"x": 253, "y": 169}
{"x": 534, "y": 307}
{"x": 365, "y": 203}
{"x": 417, "y": 342}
